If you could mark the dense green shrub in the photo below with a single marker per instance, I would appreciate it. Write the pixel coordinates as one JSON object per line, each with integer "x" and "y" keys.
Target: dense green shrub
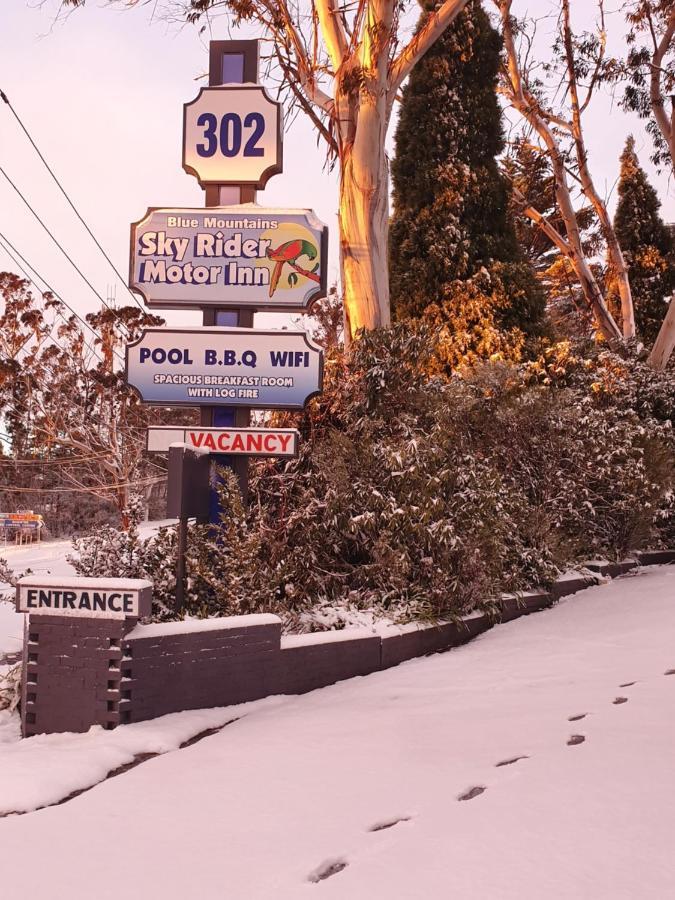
{"x": 416, "y": 495}
{"x": 454, "y": 256}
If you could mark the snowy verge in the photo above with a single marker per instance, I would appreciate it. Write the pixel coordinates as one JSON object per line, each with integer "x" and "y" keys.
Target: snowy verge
{"x": 559, "y": 727}
{"x": 44, "y": 769}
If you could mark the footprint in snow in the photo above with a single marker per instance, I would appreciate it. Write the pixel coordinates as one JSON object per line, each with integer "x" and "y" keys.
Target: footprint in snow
{"x": 472, "y": 792}
{"x": 669, "y": 672}
{"x": 576, "y": 739}
{"x": 617, "y": 700}
{"x": 327, "y": 868}
{"x": 577, "y": 718}
{"x": 628, "y": 684}
{"x": 388, "y": 823}
{"x": 510, "y": 762}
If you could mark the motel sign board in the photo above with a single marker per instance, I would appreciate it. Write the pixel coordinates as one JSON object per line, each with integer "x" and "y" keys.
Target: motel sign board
{"x": 238, "y": 256}
{"x": 225, "y": 367}
{"x": 234, "y": 441}
{"x": 232, "y": 134}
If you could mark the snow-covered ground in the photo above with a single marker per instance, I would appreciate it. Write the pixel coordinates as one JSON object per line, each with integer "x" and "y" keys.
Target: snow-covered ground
{"x": 44, "y": 558}
{"x": 355, "y": 791}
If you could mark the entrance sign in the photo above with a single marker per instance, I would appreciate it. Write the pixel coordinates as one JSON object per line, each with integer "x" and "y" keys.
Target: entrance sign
{"x": 232, "y": 134}
{"x": 237, "y": 256}
{"x": 225, "y": 367}
{"x": 97, "y": 598}
{"x": 233, "y": 441}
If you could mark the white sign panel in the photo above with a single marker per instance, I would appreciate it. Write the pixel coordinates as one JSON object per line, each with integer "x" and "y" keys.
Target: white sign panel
{"x": 225, "y": 367}
{"x": 232, "y": 135}
{"x": 238, "y": 256}
{"x": 97, "y": 598}
{"x": 233, "y": 441}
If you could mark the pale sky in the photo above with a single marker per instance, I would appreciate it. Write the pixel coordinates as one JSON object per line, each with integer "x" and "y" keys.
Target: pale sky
{"x": 102, "y": 95}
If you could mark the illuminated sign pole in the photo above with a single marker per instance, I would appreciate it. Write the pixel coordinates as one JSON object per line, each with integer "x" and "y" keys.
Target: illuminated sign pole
{"x": 230, "y": 62}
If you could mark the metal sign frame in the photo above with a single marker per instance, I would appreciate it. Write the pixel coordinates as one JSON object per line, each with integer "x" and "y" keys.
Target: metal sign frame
{"x": 293, "y": 432}
{"x": 139, "y": 590}
{"x": 231, "y": 402}
{"x": 318, "y": 294}
{"x": 275, "y": 169}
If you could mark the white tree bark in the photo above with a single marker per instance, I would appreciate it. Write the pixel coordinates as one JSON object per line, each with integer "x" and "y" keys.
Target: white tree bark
{"x": 367, "y": 73}
{"x": 664, "y": 345}
{"x": 620, "y": 271}
{"x": 527, "y": 105}
{"x": 364, "y": 228}
{"x": 665, "y": 122}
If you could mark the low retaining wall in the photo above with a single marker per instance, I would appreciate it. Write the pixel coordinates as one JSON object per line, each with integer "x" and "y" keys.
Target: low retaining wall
{"x": 79, "y": 673}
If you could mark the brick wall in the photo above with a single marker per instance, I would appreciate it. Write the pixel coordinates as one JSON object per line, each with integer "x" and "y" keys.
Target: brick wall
{"x": 71, "y": 675}
{"x": 81, "y": 672}
{"x": 167, "y": 668}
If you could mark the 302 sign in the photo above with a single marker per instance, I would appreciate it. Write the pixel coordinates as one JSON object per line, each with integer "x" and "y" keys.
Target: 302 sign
{"x": 232, "y": 135}
{"x": 228, "y": 135}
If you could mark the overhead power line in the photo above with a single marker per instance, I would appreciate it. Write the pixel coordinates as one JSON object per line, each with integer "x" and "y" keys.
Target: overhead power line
{"x": 112, "y": 265}
{"x": 10, "y": 249}
{"x": 82, "y": 490}
{"x": 58, "y": 244}
{"x": 49, "y": 335}
{"x": 53, "y": 461}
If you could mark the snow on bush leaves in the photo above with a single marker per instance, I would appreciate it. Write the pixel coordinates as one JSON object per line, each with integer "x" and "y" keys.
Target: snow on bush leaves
{"x": 417, "y": 495}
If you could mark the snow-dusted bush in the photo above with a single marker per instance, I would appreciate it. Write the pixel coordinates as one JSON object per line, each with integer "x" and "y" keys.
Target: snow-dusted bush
{"x": 222, "y": 570}
{"x": 10, "y": 688}
{"x": 112, "y": 552}
{"x": 417, "y": 495}
{"x": 424, "y": 495}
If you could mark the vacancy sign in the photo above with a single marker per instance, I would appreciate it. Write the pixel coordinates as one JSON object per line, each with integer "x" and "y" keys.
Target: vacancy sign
{"x": 233, "y": 135}
{"x": 225, "y": 367}
{"x": 234, "y": 441}
{"x": 229, "y": 256}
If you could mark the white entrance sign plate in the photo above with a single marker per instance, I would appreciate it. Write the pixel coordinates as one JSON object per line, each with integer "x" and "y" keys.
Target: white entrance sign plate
{"x": 225, "y": 367}
{"x": 240, "y": 256}
{"x": 281, "y": 442}
{"x": 95, "y": 598}
{"x": 232, "y": 134}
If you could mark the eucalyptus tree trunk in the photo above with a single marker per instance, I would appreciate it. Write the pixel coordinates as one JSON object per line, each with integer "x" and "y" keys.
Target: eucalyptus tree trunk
{"x": 524, "y": 101}
{"x": 366, "y": 83}
{"x": 616, "y": 257}
{"x": 364, "y": 184}
{"x": 664, "y": 120}
{"x": 364, "y": 229}
{"x": 665, "y": 341}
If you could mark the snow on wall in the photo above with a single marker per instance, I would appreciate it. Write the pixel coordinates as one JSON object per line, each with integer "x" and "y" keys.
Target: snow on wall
{"x": 191, "y": 626}
{"x": 195, "y": 664}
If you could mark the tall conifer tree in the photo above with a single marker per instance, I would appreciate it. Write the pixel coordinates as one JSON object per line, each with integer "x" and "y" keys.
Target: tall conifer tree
{"x": 454, "y": 254}
{"x": 647, "y": 245}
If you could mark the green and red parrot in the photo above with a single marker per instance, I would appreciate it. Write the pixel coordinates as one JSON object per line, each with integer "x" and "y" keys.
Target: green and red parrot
{"x": 290, "y": 252}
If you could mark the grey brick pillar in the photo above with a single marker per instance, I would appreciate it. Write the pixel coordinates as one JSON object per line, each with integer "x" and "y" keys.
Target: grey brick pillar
{"x": 71, "y": 674}
{"x": 72, "y": 650}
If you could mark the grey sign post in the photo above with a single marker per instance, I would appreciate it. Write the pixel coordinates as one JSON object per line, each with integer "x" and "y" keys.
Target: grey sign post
{"x": 230, "y": 62}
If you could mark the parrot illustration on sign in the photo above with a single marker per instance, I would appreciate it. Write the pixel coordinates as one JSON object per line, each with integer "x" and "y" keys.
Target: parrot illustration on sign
{"x": 289, "y": 253}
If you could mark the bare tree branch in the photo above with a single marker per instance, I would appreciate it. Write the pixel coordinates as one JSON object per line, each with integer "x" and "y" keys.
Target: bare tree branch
{"x": 434, "y": 27}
